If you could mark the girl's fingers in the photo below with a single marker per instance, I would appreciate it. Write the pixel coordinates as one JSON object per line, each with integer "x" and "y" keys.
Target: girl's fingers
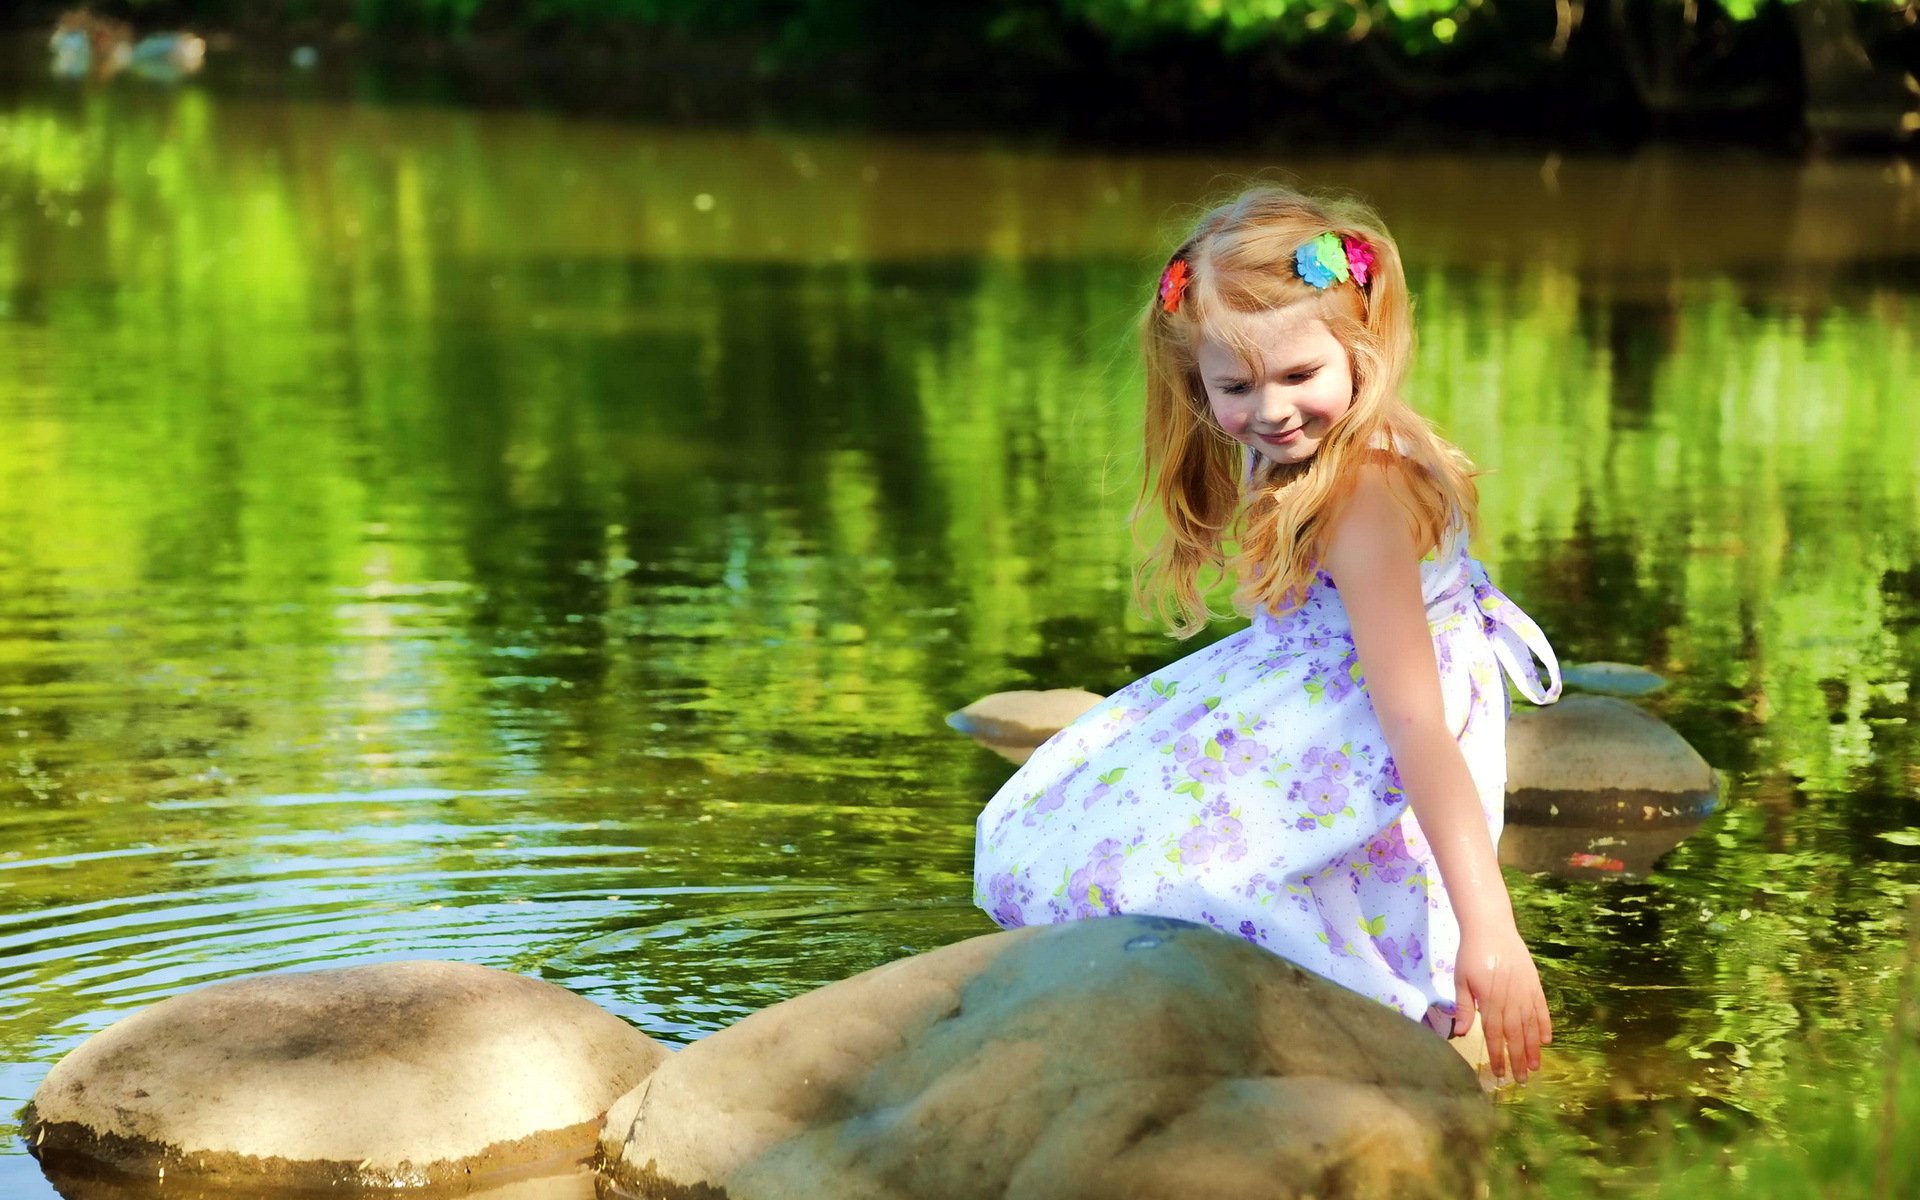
{"x": 1494, "y": 1022}
{"x": 1463, "y": 1010}
{"x": 1531, "y": 1024}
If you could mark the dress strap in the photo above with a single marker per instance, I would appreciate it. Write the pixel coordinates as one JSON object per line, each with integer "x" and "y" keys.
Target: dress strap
{"x": 1517, "y": 641}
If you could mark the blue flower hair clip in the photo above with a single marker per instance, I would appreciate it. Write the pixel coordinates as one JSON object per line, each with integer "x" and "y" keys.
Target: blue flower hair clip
{"x": 1334, "y": 258}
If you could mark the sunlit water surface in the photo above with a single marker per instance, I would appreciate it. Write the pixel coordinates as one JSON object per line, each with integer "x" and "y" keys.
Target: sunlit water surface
{"x": 555, "y": 545}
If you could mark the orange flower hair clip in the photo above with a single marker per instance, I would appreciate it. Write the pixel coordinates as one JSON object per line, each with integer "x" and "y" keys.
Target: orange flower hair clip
{"x": 1173, "y": 284}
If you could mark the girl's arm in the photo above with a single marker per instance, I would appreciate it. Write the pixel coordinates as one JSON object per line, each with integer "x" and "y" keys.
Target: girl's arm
{"x": 1375, "y": 565}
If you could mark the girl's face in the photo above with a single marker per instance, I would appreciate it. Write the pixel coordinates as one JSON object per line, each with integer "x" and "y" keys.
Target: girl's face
{"x": 1306, "y": 387}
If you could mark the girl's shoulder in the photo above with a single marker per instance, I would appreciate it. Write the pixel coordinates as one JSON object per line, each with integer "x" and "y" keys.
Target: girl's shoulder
{"x": 1371, "y": 518}
{"x": 1392, "y": 488}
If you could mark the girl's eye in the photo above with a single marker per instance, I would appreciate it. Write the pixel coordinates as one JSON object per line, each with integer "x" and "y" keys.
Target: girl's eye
{"x": 1233, "y": 389}
{"x": 1301, "y": 376}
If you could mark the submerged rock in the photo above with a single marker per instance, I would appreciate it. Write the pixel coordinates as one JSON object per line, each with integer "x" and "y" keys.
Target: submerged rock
{"x": 1014, "y": 724}
{"x": 1612, "y": 679}
{"x": 388, "y": 1075}
{"x": 1122, "y": 1058}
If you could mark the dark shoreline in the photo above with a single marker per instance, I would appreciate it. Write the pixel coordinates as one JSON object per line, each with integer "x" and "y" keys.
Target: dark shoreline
{"x": 1185, "y": 93}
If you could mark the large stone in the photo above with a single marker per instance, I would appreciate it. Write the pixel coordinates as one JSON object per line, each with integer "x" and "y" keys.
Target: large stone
{"x": 1123, "y": 1058}
{"x": 1014, "y": 724}
{"x": 387, "y": 1075}
{"x": 1602, "y": 763}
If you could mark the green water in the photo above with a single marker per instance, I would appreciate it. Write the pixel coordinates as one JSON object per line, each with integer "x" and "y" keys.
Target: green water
{"x": 555, "y": 544}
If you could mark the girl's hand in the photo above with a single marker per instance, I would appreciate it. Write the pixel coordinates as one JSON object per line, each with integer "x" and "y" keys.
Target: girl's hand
{"x": 1495, "y": 974}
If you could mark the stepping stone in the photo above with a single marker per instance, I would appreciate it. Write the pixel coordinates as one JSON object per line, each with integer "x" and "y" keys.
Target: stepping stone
{"x": 402, "y": 1074}
{"x": 1118, "y": 1058}
{"x": 1602, "y": 763}
{"x": 1014, "y": 724}
{"x": 1612, "y": 679}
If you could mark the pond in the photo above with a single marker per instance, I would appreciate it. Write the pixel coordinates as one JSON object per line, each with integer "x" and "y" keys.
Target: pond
{"x": 555, "y": 543}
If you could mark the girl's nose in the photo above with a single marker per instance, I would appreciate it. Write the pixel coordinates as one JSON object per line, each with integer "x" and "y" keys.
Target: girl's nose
{"x": 1274, "y": 409}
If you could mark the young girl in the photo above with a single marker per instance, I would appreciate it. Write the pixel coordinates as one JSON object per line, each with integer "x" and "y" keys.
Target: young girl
{"x": 1329, "y": 782}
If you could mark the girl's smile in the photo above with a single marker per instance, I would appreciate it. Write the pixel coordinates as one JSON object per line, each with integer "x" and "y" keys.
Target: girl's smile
{"x": 1284, "y": 405}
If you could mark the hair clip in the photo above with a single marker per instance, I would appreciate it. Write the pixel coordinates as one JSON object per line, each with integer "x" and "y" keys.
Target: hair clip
{"x": 1334, "y": 258}
{"x": 1173, "y": 284}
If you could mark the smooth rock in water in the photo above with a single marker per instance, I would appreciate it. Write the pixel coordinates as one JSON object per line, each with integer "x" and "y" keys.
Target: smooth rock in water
{"x": 1121, "y": 1058}
{"x": 1599, "y": 762}
{"x": 1015, "y": 724}
{"x": 387, "y": 1075}
{"x": 1612, "y": 679}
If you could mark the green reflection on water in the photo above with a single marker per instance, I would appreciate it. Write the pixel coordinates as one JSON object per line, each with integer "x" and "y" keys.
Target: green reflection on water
{"x": 432, "y": 533}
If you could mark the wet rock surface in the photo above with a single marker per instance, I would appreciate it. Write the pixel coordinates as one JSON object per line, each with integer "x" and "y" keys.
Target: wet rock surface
{"x": 1122, "y": 1058}
{"x": 1598, "y": 761}
{"x": 1599, "y": 788}
{"x": 405, "y": 1074}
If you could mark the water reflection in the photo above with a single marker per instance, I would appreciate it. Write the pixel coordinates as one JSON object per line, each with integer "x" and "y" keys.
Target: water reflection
{"x": 427, "y": 533}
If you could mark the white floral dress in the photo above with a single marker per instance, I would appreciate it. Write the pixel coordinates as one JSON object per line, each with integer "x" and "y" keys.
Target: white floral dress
{"x": 1248, "y": 786}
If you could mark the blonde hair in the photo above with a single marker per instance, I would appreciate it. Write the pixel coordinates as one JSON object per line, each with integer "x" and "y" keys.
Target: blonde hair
{"x": 1241, "y": 258}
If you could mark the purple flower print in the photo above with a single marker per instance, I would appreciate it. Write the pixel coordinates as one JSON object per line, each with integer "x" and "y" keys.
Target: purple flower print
{"x": 1186, "y": 747}
{"x": 1225, "y": 737}
{"x": 1250, "y": 933}
{"x": 1306, "y": 823}
{"x": 1261, "y": 882}
{"x": 1245, "y": 755}
{"x": 1324, "y": 797}
{"x": 1007, "y": 896}
{"x": 1402, "y": 957}
{"x": 1150, "y": 697}
{"x": 1388, "y": 854}
{"x": 1186, "y": 720}
{"x": 1092, "y": 887}
{"x": 1331, "y": 763}
{"x": 1206, "y": 770}
{"x": 1330, "y": 686}
{"x": 1196, "y": 845}
{"x": 1388, "y": 787}
{"x": 1102, "y": 787}
{"x": 1219, "y": 835}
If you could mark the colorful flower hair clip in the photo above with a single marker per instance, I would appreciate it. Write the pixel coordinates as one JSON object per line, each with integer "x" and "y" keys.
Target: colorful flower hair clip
{"x": 1334, "y": 258}
{"x": 1173, "y": 284}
